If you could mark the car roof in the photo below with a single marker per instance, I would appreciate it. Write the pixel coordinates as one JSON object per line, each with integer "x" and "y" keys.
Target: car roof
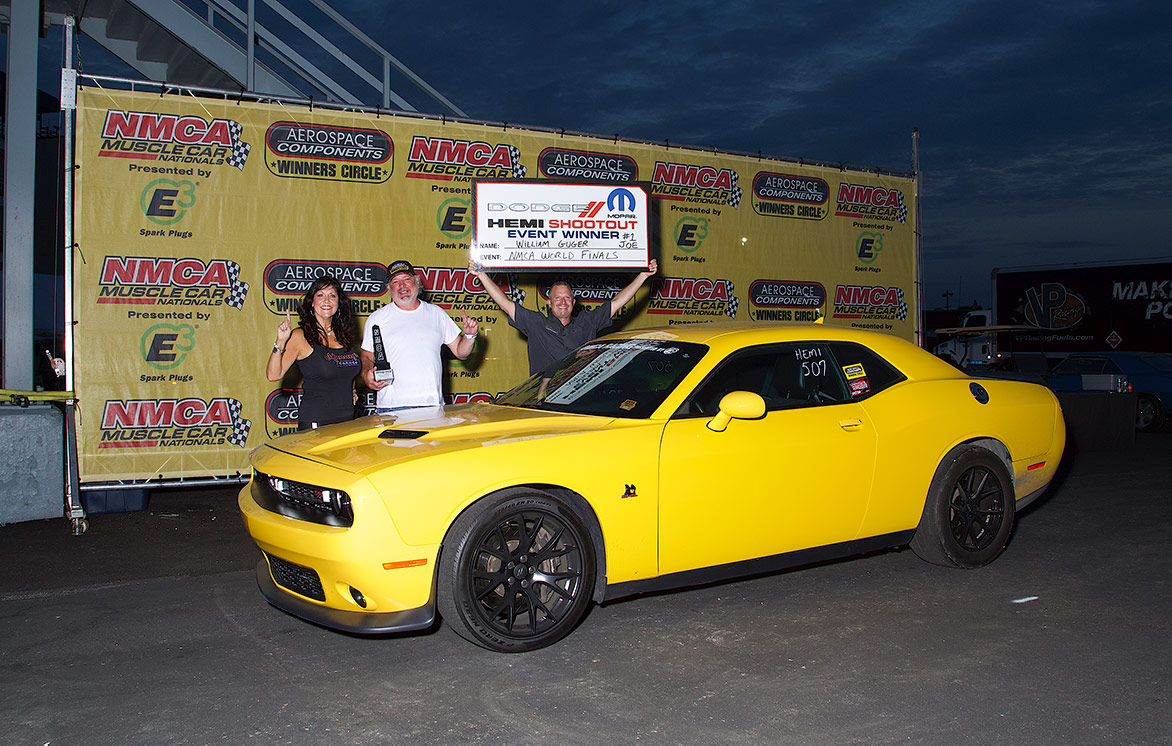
{"x": 723, "y": 337}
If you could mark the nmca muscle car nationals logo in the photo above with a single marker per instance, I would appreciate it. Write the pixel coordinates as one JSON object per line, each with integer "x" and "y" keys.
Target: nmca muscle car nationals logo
{"x": 453, "y": 289}
{"x": 297, "y": 150}
{"x": 462, "y": 160}
{"x": 173, "y": 423}
{"x": 785, "y": 300}
{"x": 162, "y": 281}
{"x": 286, "y": 281}
{"x": 695, "y": 184}
{"x": 581, "y": 165}
{"x": 862, "y": 303}
{"x": 693, "y": 297}
{"x": 790, "y": 196}
{"x": 173, "y": 138}
{"x": 870, "y": 203}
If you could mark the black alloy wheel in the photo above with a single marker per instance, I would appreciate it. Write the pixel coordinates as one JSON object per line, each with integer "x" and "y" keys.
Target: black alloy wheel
{"x": 977, "y": 509}
{"x": 516, "y": 574}
{"x": 969, "y": 512}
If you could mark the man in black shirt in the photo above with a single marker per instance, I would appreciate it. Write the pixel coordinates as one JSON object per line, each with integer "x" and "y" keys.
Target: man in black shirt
{"x": 556, "y": 335}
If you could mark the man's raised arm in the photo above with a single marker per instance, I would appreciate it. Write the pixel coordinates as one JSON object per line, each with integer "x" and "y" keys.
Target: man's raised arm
{"x": 505, "y": 302}
{"x": 624, "y": 296}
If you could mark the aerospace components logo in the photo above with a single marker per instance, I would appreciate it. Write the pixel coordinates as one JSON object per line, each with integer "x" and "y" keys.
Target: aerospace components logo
{"x": 281, "y": 409}
{"x": 580, "y": 165}
{"x": 1051, "y": 306}
{"x": 692, "y": 297}
{"x": 298, "y": 150}
{"x": 286, "y": 281}
{"x": 789, "y": 196}
{"x": 785, "y": 300}
{"x": 462, "y": 160}
{"x": 173, "y": 139}
{"x": 696, "y": 184}
{"x": 454, "y": 288}
{"x": 163, "y": 281}
{"x": 590, "y": 289}
{"x": 870, "y": 203}
{"x": 863, "y": 303}
{"x": 173, "y": 423}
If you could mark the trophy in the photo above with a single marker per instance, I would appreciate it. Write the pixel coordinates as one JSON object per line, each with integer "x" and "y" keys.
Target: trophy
{"x": 382, "y": 369}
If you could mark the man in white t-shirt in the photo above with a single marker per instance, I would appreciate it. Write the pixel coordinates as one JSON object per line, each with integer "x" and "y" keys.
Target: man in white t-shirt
{"x": 412, "y": 332}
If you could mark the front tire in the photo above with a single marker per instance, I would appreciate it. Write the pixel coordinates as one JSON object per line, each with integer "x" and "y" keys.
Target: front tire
{"x": 516, "y": 572}
{"x": 969, "y": 511}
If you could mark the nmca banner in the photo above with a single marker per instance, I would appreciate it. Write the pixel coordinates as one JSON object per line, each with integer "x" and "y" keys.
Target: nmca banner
{"x": 203, "y": 221}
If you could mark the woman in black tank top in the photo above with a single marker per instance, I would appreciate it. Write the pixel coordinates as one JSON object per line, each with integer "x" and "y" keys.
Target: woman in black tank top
{"x": 323, "y": 348}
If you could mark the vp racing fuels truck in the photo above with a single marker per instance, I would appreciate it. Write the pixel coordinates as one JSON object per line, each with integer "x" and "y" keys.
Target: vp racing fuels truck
{"x": 1057, "y": 310}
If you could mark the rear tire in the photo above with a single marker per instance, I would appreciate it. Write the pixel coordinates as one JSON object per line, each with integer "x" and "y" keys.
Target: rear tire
{"x": 1149, "y": 414}
{"x": 969, "y": 511}
{"x": 516, "y": 572}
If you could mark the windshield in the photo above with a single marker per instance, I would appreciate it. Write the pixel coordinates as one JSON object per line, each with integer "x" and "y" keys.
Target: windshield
{"x": 619, "y": 378}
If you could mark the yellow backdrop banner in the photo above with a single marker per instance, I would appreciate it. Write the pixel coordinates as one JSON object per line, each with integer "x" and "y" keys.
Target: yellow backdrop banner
{"x": 199, "y": 222}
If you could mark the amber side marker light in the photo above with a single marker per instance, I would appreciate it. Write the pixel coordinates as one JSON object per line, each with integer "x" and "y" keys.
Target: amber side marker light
{"x": 415, "y": 562}
{"x": 1031, "y": 467}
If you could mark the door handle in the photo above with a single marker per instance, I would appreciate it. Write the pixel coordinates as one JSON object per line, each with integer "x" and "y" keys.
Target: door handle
{"x": 850, "y": 424}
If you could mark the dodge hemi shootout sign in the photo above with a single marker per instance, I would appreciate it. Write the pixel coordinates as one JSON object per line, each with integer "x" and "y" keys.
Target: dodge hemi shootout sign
{"x": 538, "y": 225}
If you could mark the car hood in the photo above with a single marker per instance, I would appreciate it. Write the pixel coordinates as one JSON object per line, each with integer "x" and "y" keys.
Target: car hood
{"x": 373, "y": 443}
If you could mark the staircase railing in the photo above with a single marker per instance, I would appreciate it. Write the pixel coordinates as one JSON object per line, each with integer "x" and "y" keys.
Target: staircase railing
{"x": 284, "y": 32}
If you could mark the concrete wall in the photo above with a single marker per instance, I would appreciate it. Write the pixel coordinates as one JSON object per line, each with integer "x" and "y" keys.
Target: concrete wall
{"x": 32, "y": 485}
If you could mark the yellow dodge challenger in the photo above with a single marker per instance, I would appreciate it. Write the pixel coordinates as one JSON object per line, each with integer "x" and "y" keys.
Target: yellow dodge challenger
{"x": 650, "y": 459}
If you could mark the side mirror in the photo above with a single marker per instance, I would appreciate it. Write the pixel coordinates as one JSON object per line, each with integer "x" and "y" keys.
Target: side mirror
{"x": 737, "y": 405}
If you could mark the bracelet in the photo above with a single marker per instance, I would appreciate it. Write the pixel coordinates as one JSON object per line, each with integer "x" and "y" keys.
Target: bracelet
{"x": 277, "y": 349}
{"x": 470, "y": 336}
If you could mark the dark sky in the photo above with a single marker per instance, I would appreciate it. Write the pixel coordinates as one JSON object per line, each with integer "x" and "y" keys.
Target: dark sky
{"x": 1045, "y": 127}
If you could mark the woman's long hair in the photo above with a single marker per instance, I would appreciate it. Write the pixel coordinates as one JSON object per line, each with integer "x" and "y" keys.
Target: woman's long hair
{"x": 343, "y": 323}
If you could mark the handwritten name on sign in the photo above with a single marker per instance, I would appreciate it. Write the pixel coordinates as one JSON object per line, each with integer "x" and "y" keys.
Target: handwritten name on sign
{"x": 539, "y": 225}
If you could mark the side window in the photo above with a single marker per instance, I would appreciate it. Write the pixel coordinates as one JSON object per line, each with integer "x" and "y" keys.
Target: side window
{"x": 786, "y": 376}
{"x": 1080, "y": 366}
{"x": 865, "y": 372}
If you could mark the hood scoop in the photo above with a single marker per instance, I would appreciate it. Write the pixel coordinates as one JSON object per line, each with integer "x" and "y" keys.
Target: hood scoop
{"x": 402, "y": 434}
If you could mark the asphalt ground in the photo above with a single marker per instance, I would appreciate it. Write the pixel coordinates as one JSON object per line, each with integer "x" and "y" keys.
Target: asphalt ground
{"x": 149, "y": 629}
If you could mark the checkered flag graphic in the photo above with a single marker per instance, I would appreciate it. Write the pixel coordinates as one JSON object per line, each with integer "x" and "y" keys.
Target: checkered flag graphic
{"x": 734, "y": 194}
{"x": 730, "y": 308}
{"x": 237, "y": 290}
{"x": 240, "y": 148}
{"x": 902, "y": 215}
{"x": 515, "y": 159}
{"x": 901, "y": 311}
{"x": 515, "y": 294}
{"x": 240, "y": 426}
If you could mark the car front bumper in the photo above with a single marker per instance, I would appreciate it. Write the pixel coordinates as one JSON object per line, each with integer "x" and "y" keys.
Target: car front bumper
{"x": 356, "y": 622}
{"x": 360, "y": 578}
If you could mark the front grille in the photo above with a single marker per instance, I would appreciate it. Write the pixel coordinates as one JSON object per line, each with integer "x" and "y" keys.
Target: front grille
{"x": 305, "y": 502}
{"x": 300, "y": 580}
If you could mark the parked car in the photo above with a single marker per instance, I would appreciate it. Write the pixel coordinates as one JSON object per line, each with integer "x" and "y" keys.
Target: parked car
{"x": 1148, "y": 374}
{"x": 651, "y": 459}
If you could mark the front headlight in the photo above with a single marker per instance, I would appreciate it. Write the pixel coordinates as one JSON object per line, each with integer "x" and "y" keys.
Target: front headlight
{"x": 303, "y": 501}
